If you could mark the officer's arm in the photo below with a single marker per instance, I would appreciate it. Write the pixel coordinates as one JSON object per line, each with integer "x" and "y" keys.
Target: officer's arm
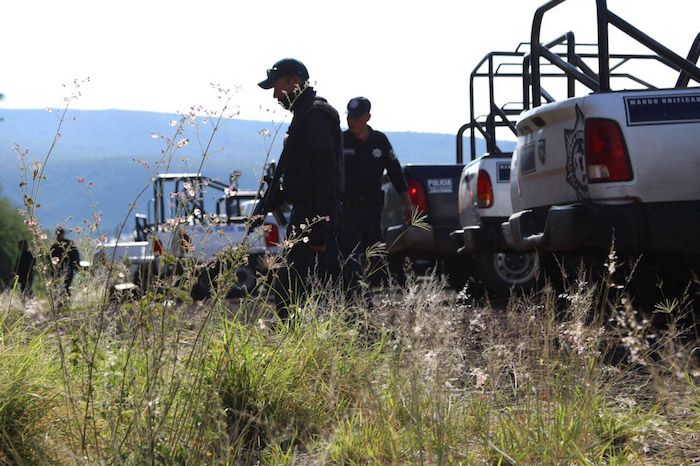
{"x": 319, "y": 135}
{"x": 393, "y": 168}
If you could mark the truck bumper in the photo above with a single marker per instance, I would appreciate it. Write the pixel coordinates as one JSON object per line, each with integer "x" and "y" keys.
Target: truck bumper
{"x": 410, "y": 240}
{"x": 481, "y": 239}
{"x": 668, "y": 227}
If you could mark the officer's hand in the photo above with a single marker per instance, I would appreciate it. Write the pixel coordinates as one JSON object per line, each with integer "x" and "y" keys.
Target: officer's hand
{"x": 320, "y": 248}
{"x": 408, "y": 213}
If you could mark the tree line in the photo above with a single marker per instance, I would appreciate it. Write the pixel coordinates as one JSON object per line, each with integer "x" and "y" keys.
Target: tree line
{"x": 12, "y": 229}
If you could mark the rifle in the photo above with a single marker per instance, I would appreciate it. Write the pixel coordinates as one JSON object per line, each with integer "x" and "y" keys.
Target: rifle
{"x": 272, "y": 199}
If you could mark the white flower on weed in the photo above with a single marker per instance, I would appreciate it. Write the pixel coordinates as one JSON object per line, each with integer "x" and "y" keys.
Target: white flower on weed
{"x": 477, "y": 323}
{"x": 611, "y": 264}
{"x": 173, "y": 222}
{"x": 54, "y": 260}
{"x": 480, "y": 375}
{"x": 183, "y": 142}
{"x": 155, "y": 135}
{"x": 189, "y": 188}
{"x": 36, "y": 169}
{"x": 172, "y": 122}
{"x": 197, "y": 212}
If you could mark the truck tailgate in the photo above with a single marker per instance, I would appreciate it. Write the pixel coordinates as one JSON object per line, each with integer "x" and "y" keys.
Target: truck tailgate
{"x": 661, "y": 135}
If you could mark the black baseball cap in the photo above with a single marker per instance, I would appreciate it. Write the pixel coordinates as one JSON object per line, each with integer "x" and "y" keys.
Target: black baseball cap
{"x": 358, "y": 106}
{"x": 284, "y": 67}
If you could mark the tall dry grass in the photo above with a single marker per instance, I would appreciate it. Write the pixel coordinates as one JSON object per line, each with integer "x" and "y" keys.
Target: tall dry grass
{"x": 427, "y": 376}
{"x": 575, "y": 375}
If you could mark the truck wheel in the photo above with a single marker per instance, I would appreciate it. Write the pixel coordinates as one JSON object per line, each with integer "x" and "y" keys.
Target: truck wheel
{"x": 501, "y": 271}
{"x": 395, "y": 263}
{"x": 201, "y": 289}
{"x": 146, "y": 277}
{"x": 244, "y": 284}
{"x": 457, "y": 270}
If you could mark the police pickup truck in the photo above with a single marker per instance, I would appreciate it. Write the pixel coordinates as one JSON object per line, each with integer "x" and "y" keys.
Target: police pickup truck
{"x": 433, "y": 191}
{"x": 187, "y": 222}
{"x": 614, "y": 168}
{"x": 484, "y": 192}
{"x": 465, "y": 205}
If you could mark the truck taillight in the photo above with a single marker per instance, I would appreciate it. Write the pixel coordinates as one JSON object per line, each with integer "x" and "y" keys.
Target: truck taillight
{"x": 157, "y": 247}
{"x": 272, "y": 235}
{"x": 415, "y": 191}
{"x": 484, "y": 190}
{"x": 606, "y": 154}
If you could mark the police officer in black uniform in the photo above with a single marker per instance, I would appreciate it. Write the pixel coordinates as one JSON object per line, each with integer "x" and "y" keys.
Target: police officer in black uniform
{"x": 312, "y": 181}
{"x": 65, "y": 258}
{"x": 367, "y": 154}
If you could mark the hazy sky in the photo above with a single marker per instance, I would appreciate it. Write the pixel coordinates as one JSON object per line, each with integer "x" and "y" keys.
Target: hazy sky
{"x": 411, "y": 59}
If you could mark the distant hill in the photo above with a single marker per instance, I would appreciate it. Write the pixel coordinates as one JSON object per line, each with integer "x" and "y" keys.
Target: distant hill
{"x": 110, "y": 148}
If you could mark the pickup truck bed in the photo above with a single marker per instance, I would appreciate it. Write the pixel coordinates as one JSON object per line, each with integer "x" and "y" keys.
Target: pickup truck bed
{"x": 569, "y": 201}
{"x": 616, "y": 168}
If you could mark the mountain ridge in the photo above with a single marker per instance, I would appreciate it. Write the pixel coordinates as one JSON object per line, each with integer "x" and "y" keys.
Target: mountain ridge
{"x": 98, "y": 163}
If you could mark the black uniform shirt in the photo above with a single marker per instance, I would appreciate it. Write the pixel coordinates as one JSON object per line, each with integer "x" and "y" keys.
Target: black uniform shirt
{"x": 365, "y": 162}
{"x": 313, "y": 174}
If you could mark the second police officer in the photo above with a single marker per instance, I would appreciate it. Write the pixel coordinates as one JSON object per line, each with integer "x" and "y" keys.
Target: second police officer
{"x": 367, "y": 154}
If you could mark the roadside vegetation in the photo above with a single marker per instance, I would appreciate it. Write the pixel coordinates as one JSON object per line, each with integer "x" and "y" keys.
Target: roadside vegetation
{"x": 429, "y": 377}
{"x": 572, "y": 374}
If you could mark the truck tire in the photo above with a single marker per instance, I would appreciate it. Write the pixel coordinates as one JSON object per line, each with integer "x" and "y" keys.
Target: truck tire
{"x": 244, "y": 283}
{"x": 201, "y": 289}
{"x": 457, "y": 269}
{"x": 502, "y": 271}
{"x": 146, "y": 277}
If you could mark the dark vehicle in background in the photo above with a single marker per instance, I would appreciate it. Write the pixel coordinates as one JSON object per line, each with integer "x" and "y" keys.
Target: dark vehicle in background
{"x": 433, "y": 191}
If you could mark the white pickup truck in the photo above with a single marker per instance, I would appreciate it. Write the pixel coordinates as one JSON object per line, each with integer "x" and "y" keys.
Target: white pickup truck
{"x": 619, "y": 164}
{"x": 484, "y": 193}
{"x": 187, "y": 221}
